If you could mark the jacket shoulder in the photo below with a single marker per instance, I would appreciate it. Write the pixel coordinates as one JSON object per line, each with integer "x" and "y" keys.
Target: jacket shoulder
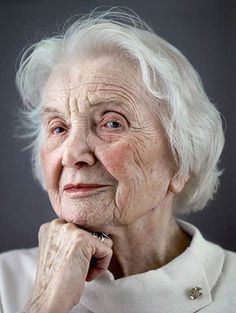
{"x": 229, "y": 267}
{"x": 223, "y": 293}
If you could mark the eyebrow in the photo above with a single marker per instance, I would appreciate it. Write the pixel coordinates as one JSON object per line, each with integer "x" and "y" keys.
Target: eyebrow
{"x": 107, "y": 101}
{"x": 47, "y": 110}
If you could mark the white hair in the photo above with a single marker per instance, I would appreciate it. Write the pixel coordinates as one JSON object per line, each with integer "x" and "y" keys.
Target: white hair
{"x": 192, "y": 123}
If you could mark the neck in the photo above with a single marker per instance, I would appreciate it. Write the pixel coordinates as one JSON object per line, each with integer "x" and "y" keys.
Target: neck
{"x": 147, "y": 244}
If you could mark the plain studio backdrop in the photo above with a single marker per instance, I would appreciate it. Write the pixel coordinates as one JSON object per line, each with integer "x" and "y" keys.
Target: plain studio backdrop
{"x": 204, "y": 30}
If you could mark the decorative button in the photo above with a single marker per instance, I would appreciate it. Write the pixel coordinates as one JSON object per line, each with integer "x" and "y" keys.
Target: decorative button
{"x": 195, "y": 293}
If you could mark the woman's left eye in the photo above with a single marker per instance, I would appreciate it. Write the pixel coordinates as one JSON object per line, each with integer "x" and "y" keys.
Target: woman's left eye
{"x": 113, "y": 124}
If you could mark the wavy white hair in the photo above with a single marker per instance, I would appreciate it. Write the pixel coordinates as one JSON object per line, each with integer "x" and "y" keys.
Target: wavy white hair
{"x": 192, "y": 123}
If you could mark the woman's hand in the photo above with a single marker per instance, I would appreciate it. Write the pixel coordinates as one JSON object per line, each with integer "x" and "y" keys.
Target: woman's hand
{"x": 68, "y": 256}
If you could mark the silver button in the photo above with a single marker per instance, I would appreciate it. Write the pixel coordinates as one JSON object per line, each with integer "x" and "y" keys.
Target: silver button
{"x": 195, "y": 293}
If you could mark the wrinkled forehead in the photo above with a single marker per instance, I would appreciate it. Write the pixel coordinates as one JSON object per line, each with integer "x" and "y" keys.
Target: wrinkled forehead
{"x": 96, "y": 76}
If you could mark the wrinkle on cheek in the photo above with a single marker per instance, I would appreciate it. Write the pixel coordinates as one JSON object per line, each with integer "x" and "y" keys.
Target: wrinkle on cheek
{"x": 51, "y": 144}
{"x": 126, "y": 159}
{"x": 51, "y": 166}
{"x": 43, "y": 157}
{"x": 139, "y": 160}
{"x": 139, "y": 144}
{"x": 119, "y": 159}
{"x": 50, "y": 141}
{"x": 56, "y": 202}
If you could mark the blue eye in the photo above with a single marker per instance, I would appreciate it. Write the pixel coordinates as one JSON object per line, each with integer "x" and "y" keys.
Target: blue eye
{"x": 58, "y": 130}
{"x": 112, "y": 124}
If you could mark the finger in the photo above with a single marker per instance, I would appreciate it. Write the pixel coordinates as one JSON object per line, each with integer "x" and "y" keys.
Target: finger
{"x": 100, "y": 248}
{"x": 99, "y": 266}
{"x": 100, "y": 261}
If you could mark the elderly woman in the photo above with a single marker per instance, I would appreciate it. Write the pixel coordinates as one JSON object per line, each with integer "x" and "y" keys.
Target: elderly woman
{"x": 123, "y": 138}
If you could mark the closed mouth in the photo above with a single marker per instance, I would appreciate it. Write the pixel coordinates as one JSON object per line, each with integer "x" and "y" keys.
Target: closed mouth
{"x": 82, "y": 187}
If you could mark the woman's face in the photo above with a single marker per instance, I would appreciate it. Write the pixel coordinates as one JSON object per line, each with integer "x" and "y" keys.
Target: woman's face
{"x": 106, "y": 161}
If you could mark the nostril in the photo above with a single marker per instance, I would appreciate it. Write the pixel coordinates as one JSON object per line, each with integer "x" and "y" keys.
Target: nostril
{"x": 81, "y": 163}
{"x": 77, "y": 158}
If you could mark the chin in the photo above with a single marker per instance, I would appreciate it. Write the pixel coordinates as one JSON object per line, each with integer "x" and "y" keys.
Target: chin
{"x": 82, "y": 220}
{"x": 73, "y": 217}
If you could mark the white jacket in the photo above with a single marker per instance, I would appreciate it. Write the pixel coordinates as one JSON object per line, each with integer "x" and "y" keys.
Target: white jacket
{"x": 165, "y": 290}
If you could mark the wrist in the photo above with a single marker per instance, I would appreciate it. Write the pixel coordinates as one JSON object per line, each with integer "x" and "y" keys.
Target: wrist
{"x": 47, "y": 303}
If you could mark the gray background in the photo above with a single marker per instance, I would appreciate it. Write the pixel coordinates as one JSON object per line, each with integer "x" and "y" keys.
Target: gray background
{"x": 204, "y": 30}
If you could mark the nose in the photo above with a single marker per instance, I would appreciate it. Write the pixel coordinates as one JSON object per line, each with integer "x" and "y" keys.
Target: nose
{"x": 77, "y": 153}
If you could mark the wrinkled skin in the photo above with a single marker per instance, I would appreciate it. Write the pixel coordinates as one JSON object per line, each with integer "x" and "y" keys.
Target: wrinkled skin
{"x": 100, "y": 128}
{"x": 64, "y": 265}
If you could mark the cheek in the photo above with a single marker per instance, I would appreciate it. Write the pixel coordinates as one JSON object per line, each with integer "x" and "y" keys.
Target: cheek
{"x": 128, "y": 162}
{"x": 116, "y": 158}
{"x": 51, "y": 165}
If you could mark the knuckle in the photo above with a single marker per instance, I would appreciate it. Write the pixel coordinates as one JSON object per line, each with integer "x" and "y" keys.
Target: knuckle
{"x": 84, "y": 247}
{"x": 109, "y": 243}
{"x": 43, "y": 228}
{"x": 69, "y": 226}
{"x": 80, "y": 235}
{"x": 81, "y": 241}
{"x": 56, "y": 222}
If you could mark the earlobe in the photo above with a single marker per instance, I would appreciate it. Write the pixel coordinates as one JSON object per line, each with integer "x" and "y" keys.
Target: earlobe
{"x": 177, "y": 183}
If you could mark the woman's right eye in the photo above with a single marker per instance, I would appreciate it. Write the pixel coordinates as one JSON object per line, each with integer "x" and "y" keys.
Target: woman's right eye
{"x": 56, "y": 126}
{"x": 58, "y": 130}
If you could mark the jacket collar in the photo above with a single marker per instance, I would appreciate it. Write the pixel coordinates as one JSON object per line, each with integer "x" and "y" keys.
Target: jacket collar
{"x": 164, "y": 290}
{"x": 210, "y": 255}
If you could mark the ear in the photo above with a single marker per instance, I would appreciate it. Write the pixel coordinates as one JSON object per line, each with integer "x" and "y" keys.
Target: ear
{"x": 177, "y": 183}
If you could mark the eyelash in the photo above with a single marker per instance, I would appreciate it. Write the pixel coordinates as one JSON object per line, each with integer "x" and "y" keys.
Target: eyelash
{"x": 108, "y": 116}
{"x": 113, "y": 121}
{"x": 54, "y": 130}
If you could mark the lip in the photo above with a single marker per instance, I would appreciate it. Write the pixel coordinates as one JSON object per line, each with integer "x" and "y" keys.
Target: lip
{"x": 82, "y": 188}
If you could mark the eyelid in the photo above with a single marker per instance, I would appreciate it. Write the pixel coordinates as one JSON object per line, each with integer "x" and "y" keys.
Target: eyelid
{"x": 56, "y": 122}
{"x": 53, "y": 127}
{"x": 116, "y": 112}
{"x": 57, "y": 119}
